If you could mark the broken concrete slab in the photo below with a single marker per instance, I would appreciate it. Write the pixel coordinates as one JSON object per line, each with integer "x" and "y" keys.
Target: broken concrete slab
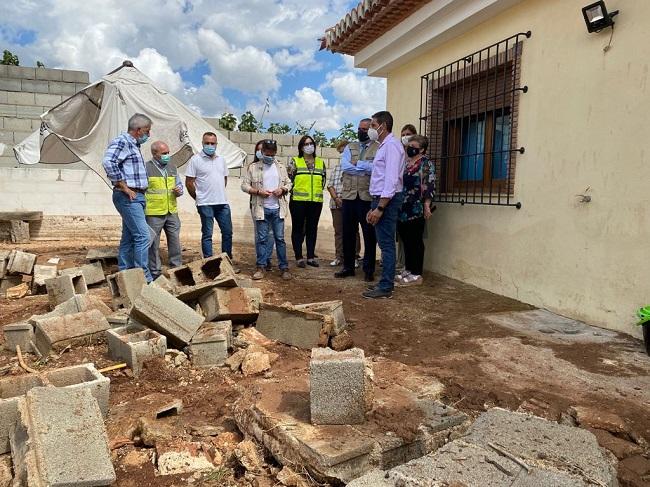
{"x": 20, "y": 262}
{"x": 255, "y": 362}
{"x": 182, "y": 457}
{"x": 407, "y": 422}
{"x": 135, "y": 344}
{"x": 62, "y": 288}
{"x": 41, "y": 274}
{"x": 17, "y": 292}
{"x": 76, "y": 304}
{"x": 159, "y": 310}
{"x": 331, "y": 309}
{"x": 58, "y": 332}
{"x": 209, "y": 346}
{"x": 93, "y": 273}
{"x": 505, "y": 449}
{"x": 239, "y": 305}
{"x": 544, "y": 325}
{"x": 125, "y": 286}
{"x": 21, "y": 334}
{"x": 60, "y": 439}
{"x": 291, "y": 326}
{"x": 337, "y": 386}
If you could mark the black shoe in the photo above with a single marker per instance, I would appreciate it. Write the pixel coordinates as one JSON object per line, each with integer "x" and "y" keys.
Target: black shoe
{"x": 313, "y": 262}
{"x": 369, "y": 277}
{"x": 301, "y": 263}
{"x": 371, "y": 287}
{"x": 377, "y": 294}
{"x": 344, "y": 273}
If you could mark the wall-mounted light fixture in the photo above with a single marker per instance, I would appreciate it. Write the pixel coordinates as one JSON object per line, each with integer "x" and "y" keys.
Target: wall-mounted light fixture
{"x": 597, "y": 18}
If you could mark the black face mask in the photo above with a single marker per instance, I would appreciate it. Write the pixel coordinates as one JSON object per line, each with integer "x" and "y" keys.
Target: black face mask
{"x": 412, "y": 151}
{"x": 362, "y": 135}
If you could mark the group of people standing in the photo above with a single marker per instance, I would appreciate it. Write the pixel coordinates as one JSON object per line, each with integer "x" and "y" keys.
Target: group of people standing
{"x": 383, "y": 185}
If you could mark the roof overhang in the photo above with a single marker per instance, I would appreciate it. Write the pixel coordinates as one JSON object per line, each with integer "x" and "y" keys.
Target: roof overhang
{"x": 431, "y": 25}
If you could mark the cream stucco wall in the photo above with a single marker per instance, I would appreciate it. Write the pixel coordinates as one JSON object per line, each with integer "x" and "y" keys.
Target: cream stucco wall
{"x": 584, "y": 123}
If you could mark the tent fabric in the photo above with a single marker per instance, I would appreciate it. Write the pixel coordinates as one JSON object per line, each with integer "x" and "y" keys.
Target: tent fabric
{"x": 80, "y": 128}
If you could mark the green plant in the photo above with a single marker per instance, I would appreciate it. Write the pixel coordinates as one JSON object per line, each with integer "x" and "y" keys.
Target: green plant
{"x": 227, "y": 121}
{"x": 248, "y": 122}
{"x": 39, "y": 64}
{"x": 301, "y": 129}
{"x": 276, "y": 128}
{"x": 347, "y": 132}
{"x": 320, "y": 138}
{"x": 10, "y": 58}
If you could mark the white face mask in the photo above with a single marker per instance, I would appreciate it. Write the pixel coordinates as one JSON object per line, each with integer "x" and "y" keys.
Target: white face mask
{"x": 373, "y": 134}
{"x": 259, "y": 155}
{"x": 405, "y": 140}
{"x": 308, "y": 149}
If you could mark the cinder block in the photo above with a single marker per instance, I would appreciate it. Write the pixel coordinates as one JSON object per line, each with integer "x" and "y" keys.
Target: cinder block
{"x": 34, "y": 86}
{"x": 93, "y": 273}
{"x": 4, "y": 261}
{"x": 47, "y": 100}
{"x": 192, "y": 280}
{"x": 337, "y": 386}
{"x": 29, "y": 112}
{"x": 11, "y": 391}
{"x": 58, "y": 332}
{"x": 105, "y": 255}
{"x": 60, "y": 440}
{"x": 20, "y": 124}
{"x": 160, "y": 310}
{"x": 329, "y": 153}
{"x": 20, "y": 136}
{"x": 125, "y": 286}
{"x": 19, "y": 334}
{"x": 41, "y": 274}
{"x": 240, "y": 137}
{"x": 7, "y": 111}
{"x": 20, "y": 98}
{"x": 135, "y": 344}
{"x": 48, "y": 74}
{"x": 332, "y": 310}
{"x": 75, "y": 76}
{"x": 36, "y": 124}
{"x": 84, "y": 376}
{"x": 21, "y": 72}
{"x": 12, "y": 85}
{"x": 20, "y": 262}
{"x": 239, "y": 305}
{"x": 4, "y": 71}
{"x": 62, "y": 288}
{"x": 61, "y": 88}
{"x": 18, "y": 229}
{"x": 283, "y": 139}
{"x": 294, "y": 327}
{"x": 79, "y": 86}
{"x": 76, "y": 304}
{"x": 7, "y": 138}
{"x": 209, "y": 347}
{"x": 9, "y": 281}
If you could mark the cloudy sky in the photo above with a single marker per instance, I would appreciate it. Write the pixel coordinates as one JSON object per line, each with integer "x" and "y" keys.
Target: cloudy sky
{"x": 214, "y": 55}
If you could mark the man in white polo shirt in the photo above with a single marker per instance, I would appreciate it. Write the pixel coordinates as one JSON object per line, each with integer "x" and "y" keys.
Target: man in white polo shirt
{"x": 206, "y": 177}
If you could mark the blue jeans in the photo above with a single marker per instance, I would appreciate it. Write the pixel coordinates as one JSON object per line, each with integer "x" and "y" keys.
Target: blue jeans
{"x": 263, "y": 243}
{"x": 208, "y": 214}
{"x": 134, "y": 245}
{"x": 385, "y": 232}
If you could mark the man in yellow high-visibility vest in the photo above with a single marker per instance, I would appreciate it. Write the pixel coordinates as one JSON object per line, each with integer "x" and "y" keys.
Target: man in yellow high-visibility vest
{"x": 161, "y": 211}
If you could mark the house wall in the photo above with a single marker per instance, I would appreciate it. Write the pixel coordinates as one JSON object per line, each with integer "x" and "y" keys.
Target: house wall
{"x": 583, "y": 124}
{"x": 74, "y": 200}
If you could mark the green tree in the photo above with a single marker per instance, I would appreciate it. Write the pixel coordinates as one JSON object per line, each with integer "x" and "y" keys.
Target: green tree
{"x": 227, "y": 121}
{"x": 347, "y": 132}
{"x": 276, "y": 128}
{"x": 248, "y": 123}
{"x": 301, "y": 129}
{"x": 9, "y": 58}
{"x": 320, "y": 138}
{"x": 39, "y": 64}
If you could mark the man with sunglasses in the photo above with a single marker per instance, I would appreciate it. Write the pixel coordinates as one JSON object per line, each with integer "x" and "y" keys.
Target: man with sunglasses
{"x": 161, "y": 210}
{"x": 206, "y": 178}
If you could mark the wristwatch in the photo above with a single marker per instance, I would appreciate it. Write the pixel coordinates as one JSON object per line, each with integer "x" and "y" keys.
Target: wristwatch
{"x": 381, "y": 208}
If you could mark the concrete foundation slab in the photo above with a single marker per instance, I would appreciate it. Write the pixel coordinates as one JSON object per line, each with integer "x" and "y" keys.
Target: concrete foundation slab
{"x": 544, "y": 325}
{"x": 159, "y": 310}
{"x": 60, "y": 439}
{"x": 125, "y": 286}
{"x": 239, "y": 305}
{"x": 210, "y": 344}
{"x": 337, "y": 386}
{"x": 299, "y": 328}
{"x": 58, "y": 332}
{"x": 332, "y": 309}
{"x": 402, "y": 425}
{"x": 93, "y": 273}
{"x": 20, "y": 262}
{"x": 62, "y": 288}
{"x": 135, "y": 344}
{"x": 18, "y": 334}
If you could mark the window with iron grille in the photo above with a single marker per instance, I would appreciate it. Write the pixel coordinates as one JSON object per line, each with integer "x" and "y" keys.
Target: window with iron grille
{"x": 468, "y": 110}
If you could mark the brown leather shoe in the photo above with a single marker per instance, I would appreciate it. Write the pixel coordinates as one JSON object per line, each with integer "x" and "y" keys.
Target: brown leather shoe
{"x": 259, "y": 274}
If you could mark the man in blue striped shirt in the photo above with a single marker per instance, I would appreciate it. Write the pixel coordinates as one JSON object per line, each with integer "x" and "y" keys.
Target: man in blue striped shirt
{"x": 125, "y": 168}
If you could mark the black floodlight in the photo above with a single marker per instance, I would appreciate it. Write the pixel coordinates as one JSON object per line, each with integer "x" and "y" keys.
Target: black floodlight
{"x": 597, "y": 18}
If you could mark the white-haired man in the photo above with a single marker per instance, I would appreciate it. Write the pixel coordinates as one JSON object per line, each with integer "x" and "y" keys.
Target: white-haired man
{"x": 161, "y": 211}
{"x": 125, "y": 168}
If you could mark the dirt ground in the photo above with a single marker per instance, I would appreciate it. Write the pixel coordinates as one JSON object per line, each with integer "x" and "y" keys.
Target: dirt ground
{"x": 437, "y": 327}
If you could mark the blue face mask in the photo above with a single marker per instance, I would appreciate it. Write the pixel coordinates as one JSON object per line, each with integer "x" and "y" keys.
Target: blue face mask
{"x": 209, "y": 149}
{"x": 165, "y": 158}
{"x": 143, "y": 138}
{"x": 268, "y": 160}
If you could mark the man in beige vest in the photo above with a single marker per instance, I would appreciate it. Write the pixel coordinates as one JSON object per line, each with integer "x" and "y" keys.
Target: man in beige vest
{"x": 356, "y": 164}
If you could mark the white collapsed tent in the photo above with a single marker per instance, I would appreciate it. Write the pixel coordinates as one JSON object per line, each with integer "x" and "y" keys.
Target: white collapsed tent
{"x": 80, "y": 128}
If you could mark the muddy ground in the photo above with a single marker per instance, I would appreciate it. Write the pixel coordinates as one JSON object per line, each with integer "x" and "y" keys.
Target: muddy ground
{"x": 437, "y": 327}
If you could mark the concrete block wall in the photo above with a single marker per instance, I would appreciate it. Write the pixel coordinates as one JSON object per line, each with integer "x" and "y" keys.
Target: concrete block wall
{"x": 26, "y": 93}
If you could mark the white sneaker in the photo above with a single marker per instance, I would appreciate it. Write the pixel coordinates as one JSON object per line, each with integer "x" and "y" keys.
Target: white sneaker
{"x": 412, "y": 279}
{"x": 335, "y": 262}
{"x": 356, "y": 264}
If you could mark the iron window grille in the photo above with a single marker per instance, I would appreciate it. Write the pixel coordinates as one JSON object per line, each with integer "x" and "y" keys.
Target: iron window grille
{"x": 469, "y": 112}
